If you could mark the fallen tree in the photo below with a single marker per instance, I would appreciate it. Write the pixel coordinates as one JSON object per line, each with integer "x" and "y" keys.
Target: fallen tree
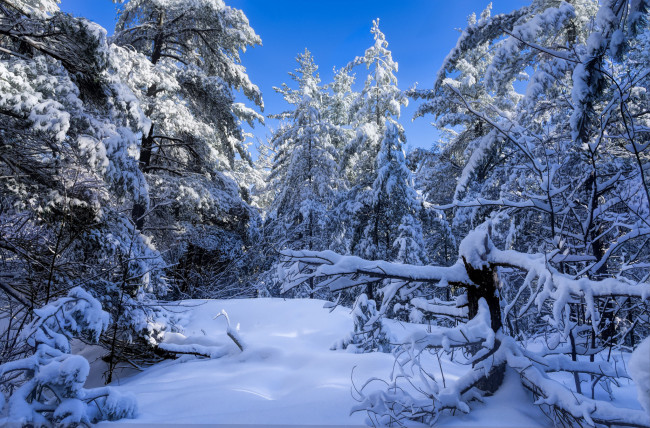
{"x": 488, "y": 344}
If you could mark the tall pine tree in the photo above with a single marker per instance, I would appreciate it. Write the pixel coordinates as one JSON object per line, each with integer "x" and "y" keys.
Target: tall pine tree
{"x": 185, "y": 69}
{"x": 304, "y": 176}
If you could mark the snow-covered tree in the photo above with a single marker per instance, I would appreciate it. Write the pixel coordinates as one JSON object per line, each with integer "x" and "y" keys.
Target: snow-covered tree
{"x": 390, "y": 224}
{"x": 304, "y": 175}
{"x": 69, "y": 139}
{"x": 380, "y": 99}
{"x": 372, "y": 155}
{"x": 391, "y": 229}
{"x": 379, "y": 196}
{"x": 339, "y": 103}
{"x": 182, "y": 60}
{"x": 378, "y": 102}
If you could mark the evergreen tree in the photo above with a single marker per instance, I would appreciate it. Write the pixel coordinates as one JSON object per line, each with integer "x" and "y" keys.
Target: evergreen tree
{"x": 381, "y": 192}
{"x": 379, "y": 101}
{"x": 393, "y": 207}
{"x": 68, "y": 157}
{"x": 339, "y": 102}
{"x": 304, "y": 172}
{"x": 434, "y": 178}
{"x": 185, "y": 69}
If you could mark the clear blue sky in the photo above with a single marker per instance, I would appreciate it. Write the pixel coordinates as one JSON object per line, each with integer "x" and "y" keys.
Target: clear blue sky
{"x": 420, "y": 33}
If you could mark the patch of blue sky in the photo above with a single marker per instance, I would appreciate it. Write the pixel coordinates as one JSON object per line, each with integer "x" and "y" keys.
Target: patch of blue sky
{"x": 420, "y": 33}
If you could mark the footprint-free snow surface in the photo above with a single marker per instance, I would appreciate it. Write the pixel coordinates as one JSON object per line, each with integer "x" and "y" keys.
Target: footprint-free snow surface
{"x": 287, "y": 373}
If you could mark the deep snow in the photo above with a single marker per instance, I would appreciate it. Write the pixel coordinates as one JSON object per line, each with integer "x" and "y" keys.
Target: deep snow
{"x": 287, "y": 373}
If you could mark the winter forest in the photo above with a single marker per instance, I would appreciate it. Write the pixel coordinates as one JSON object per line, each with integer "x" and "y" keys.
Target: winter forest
{"x": 154, "y": 270}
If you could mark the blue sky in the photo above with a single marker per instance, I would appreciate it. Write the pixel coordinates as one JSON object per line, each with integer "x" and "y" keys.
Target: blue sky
{"x": 420, "y": 33}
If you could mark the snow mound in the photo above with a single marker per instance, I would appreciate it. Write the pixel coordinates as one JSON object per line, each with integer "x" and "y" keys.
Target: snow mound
{"x": 639, "y": 368}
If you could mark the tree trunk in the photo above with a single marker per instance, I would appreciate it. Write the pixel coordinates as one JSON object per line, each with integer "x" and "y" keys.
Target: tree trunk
{"x": 139, "y": 209}
{"x": 158, "y": 40}
{"x": 486, "y": 288}
{"x": 598, "y": 248}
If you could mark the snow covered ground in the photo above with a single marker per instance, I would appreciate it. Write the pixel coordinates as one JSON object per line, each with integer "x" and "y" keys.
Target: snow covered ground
{"x": 287, "y": 373}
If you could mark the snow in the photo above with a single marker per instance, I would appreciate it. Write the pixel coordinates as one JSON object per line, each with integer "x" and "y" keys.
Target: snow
{"x": 153, "y": 128}
{"x": 54, "y": 369}
{"x": 639, "y": 368}
{"x": 287, "y": 373}
{"x": 334, "y": 264}
{"x": 509, "y": 406}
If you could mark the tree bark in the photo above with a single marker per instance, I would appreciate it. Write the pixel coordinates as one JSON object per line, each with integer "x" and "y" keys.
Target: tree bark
{"x": 139, "y": 209}
{"x": 486, "y": 281}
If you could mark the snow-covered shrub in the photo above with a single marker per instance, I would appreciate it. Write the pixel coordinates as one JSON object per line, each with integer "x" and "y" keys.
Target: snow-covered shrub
{"x": 368, "y": 334}
{"x": 47, "y": 387}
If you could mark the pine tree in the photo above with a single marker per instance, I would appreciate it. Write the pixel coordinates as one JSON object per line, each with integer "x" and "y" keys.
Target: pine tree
{"x": 381, "y": 184}
{"x": 185, "y": 69}
{"x": 379, "y": 101}
{"x": 392, "y": 203}
{"x": 304, "y": 173}
{"x": 339, "y": 102}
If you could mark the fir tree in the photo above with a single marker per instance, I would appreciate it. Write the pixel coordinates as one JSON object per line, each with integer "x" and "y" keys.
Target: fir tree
{"x": 379, "y": 101}
{"x": 392, "y": 203}
{"x": 304, "y": 173}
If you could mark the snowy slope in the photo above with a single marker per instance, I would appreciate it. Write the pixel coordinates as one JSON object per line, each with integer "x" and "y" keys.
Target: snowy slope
{"x": 287, "y": 373}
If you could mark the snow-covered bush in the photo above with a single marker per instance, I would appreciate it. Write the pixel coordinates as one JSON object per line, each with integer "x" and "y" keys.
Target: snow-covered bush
{"x": 368, "y": 334}
{"x": 47, "y": 387}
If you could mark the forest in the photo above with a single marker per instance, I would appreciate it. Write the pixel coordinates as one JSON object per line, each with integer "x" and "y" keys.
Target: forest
{"x": 142, "y": 240}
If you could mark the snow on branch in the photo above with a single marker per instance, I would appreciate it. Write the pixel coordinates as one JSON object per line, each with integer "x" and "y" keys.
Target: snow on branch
{"x": 333, "y": 266}
{"x": 476, "y": 331}
{"x": 487, "y": 346}
{"x": 481, "y": 202}
{"x": 488, "y": 29}
{"x": 328, "y": 264}
{"x": 397, "y": 404}
{"x": 439, "y": 307}
{"x": 179, "y": 344}
{"x": 47, "y": 387}
{"x": 565, "y": 402}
